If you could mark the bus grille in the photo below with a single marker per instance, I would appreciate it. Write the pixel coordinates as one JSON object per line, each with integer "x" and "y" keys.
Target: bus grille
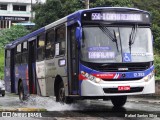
{"x": 115, "y": 90}
{"x": 118, "y": 67}
{"x": 124, "y": 79}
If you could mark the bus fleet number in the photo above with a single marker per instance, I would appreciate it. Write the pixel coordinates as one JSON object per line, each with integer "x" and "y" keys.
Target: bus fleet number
{"x": 139, "y": 74}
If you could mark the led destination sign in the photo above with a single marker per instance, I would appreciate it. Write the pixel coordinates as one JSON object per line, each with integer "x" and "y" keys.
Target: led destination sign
{"x": 116, "y": 17}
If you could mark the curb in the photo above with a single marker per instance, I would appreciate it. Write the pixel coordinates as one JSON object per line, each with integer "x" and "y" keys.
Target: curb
{"x": 23, "y": 109}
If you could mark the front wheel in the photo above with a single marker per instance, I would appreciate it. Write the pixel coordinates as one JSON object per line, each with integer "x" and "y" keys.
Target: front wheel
{"x": 3, "y": 94}
{"x": 61, "y": 95}
{"x": 118, "y": 101}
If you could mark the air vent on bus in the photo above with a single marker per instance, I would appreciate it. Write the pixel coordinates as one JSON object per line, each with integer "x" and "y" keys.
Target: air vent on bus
{"x": 118, "y": 67}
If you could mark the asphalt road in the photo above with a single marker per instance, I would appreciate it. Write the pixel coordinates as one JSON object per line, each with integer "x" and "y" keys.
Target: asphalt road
{"x": 135, "y": 108}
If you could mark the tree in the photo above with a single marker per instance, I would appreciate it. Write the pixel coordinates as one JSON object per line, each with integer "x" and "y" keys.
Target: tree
{"x": 111, "y": 3}
{"x": 153, "y": 7}
{"x": 8, "y": 35}
{"x": 15, "y": 32}
{"x": 53, "y": 10}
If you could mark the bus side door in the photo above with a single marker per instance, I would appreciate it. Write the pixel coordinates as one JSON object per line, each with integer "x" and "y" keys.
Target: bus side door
{"x": 32, "y": 67}
{"x": 73, "y": 61}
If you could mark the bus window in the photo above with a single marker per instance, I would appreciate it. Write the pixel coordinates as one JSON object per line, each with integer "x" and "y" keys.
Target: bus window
{"x": 60, "y": 40}
{"x": 18, "y": 54}
{"x": 40, "y": 47}
{"x": 7, "y": 60}
{"x": 19, "y": 48}
{"x": 25, "y": 52}
{"x": 50, "y": 44}
{"x": 25, "y": 46}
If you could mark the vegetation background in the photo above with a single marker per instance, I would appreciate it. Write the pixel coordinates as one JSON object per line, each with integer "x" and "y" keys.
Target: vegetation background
{"x": 53, "y": 10}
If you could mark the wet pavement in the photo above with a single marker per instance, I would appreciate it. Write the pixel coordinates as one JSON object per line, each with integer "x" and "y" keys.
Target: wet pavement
{"x": 144, "y": 99}
{"x": 142, "y": 107}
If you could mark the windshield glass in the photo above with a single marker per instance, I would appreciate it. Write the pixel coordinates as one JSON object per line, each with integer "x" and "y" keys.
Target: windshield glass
{"x": 111, "y": 44}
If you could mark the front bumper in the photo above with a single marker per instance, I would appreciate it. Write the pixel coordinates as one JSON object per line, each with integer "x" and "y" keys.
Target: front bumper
{"x": 89, "y": 88}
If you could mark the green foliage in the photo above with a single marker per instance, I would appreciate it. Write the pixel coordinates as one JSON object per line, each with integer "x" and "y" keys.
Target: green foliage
{"x": 106, "y": 3}
{"x": 156, "y": 35}
{"x": 8, "y": 35}
{"x": 1, "y": 63}
{"x": 157, "y": 65}
{"x": 53, "y": 10}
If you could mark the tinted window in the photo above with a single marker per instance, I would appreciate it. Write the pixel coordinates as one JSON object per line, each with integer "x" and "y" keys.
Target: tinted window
{"x": 25, "y": 53}
{"x": 25, "y": 46}
{"x": 60, "y": 40}
{"x": 41, "y": 47}
{"x": 3, "y": 7}
{"x": 7, "y": 60}
{"x": 19, "y": 8}
{"x": 50, "y": 44}
{"x": 19, "y": 49}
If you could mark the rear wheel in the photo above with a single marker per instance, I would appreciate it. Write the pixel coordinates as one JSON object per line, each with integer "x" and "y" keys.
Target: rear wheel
{"x": 21, "y": 92}
{"x": 118, "y": 101}
{"x": 3, "y": 94}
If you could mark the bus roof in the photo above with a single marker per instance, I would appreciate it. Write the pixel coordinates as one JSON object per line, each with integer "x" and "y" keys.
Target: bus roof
{"x": 69, "y": 17}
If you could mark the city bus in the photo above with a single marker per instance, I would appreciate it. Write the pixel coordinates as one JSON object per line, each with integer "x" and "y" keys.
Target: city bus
{"x": 100, "y": 53}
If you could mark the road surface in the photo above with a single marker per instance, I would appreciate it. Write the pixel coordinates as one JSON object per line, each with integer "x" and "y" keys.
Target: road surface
{"x": 141, "y": 108}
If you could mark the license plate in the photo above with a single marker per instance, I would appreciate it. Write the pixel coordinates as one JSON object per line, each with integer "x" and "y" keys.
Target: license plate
{"x": 123, "y": 88}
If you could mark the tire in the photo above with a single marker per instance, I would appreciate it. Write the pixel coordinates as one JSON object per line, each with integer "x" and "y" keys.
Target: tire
{"x": 21, "y": 92}
{"x": 3, "y": 95}
{"x": 60, "y": 97}
{"x": 118, "y": 101}
{"x": 68, "y": 100}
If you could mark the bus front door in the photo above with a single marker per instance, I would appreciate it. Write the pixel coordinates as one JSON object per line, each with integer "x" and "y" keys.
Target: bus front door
{"x": 32, "y": 67}
{"x": 73, "y": 62}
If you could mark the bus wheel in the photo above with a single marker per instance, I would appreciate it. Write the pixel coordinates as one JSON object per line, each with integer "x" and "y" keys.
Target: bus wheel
{"x": 21, "y": 92}
{"x": 3, "y": 94}
{"x": 68, "y": 100}
{"x": 118, "y": 101}
{"x": 61, "y": 93}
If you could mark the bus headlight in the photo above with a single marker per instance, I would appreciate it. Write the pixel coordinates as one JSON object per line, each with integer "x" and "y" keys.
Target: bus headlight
{"x": 3, "y": 88}
{"x": 148, "y": 77}
{"x": 91, "y": 77}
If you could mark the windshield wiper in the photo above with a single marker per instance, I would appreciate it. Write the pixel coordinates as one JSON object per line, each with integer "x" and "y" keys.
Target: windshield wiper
{"x": 110, "y": 35}
{"x": 132, "y": 37}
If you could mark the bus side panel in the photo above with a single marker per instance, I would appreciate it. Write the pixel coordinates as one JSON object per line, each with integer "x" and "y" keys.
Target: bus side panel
{"x": 50, "y": 74}
{"x": 7, "y": 79}
{"x": 40, "y": 71}
{"x": 24, "y": 77}
{"x": 9, "y": 72}
{"x": 61, "y": 70}
{"x": 17, "y": 77}
{"x": 21, "y": 73}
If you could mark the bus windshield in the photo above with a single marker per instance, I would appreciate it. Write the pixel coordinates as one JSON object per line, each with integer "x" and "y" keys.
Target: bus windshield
{"x": 111, "y": 44}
